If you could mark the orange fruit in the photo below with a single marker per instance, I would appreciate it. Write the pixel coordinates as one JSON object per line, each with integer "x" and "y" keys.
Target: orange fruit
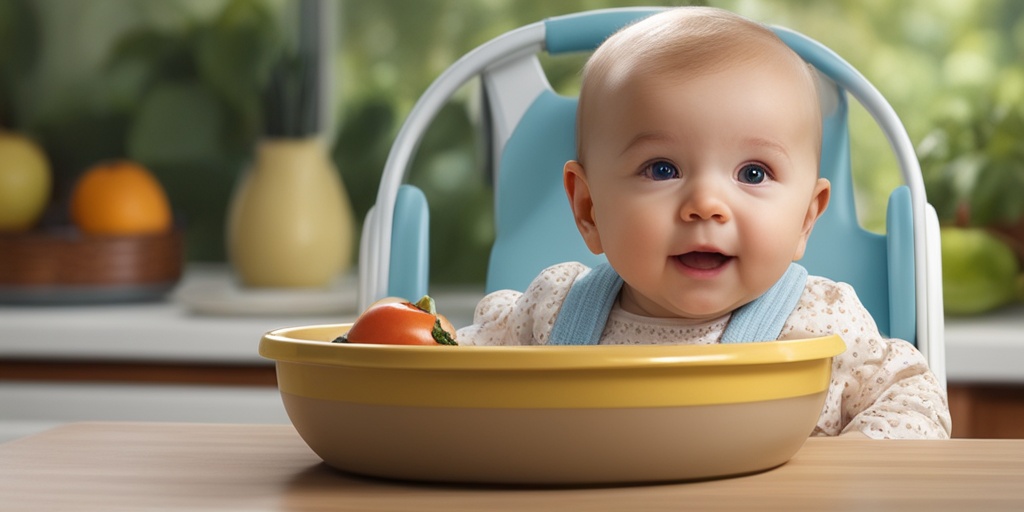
{"x": 119, "y": 198}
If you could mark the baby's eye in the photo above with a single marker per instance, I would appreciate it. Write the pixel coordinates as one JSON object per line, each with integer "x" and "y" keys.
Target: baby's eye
{"x": 752, "y": 174}
{"x": 661, "y": 170}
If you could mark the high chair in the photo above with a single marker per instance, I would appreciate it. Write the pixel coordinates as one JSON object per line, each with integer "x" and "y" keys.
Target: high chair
{"x": 896, "y": 275}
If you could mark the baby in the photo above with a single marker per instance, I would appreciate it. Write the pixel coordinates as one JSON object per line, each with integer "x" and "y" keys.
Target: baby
{"x": 698, "y": 146}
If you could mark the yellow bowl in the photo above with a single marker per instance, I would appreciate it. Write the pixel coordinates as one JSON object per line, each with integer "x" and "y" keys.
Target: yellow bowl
{"x": 550, "y": 415}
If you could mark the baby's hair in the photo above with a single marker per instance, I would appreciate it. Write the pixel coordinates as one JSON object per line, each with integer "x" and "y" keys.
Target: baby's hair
{"x": 691, "y": 40}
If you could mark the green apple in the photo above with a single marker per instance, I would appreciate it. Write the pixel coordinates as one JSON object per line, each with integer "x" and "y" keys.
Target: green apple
{"x": 979, "y": 271}
{"x": 25, "y": 182}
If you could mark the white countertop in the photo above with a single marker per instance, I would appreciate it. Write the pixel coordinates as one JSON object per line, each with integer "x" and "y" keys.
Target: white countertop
{"x": 163, "y": 332}
{"x": 987, "y": 348}
{"x": 180, "y": 329}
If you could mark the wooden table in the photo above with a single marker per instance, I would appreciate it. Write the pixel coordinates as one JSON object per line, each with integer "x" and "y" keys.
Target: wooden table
{"x": 168, "y": 466}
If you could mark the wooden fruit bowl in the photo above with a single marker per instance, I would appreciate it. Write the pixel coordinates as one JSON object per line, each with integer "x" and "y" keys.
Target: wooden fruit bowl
{"x": 67, "y": 266}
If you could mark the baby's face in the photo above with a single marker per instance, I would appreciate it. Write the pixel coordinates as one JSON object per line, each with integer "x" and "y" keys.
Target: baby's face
{"x": 700, "y": 190}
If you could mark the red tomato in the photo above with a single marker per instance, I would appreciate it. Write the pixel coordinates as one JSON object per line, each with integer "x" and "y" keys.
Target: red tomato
{"x": 401, "y": 323}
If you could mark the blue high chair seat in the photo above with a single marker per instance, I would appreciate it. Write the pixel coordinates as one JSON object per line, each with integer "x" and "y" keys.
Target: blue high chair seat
{"x": 896, "y": 275}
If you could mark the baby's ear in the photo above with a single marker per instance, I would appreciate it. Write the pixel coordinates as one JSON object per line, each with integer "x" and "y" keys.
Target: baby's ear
{"x": 819, "y": 202}
{"x": 578, "y": 190}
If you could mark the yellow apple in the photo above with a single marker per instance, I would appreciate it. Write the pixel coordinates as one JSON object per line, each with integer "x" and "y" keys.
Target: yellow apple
{"x": 25, "y": 182}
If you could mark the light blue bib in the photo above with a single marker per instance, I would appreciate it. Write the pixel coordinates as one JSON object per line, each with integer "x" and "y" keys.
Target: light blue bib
{"x": 586, "y": 307}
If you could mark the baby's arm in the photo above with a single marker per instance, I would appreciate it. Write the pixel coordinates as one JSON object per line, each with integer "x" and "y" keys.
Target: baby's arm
{"x": 880, "y": 387}
{"x": 507, "y": 317}
{"x": 893, "y": 394}
{"x": 495, "y": 321}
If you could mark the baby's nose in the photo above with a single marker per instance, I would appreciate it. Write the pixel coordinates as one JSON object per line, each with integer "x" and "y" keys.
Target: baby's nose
{"x": 705, "y": 203}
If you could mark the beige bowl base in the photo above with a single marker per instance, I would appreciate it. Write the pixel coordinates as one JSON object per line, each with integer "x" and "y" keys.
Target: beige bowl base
{"x": 555, "y": 446}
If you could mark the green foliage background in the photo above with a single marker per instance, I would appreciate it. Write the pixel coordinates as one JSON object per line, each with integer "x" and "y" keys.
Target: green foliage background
{"x": 176, "y": 84}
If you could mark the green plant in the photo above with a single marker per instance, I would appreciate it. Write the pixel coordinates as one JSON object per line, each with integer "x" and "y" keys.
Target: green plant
{"x": 19, "y": 44}
{"x": 196, "y": 92}
{"x": 973, "y": 164}
{"x": 185, "y": 101}
{"x": 291, "y": 99}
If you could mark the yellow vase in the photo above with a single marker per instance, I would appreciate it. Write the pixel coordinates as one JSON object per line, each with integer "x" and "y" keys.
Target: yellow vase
{"x": 290, "y": 222}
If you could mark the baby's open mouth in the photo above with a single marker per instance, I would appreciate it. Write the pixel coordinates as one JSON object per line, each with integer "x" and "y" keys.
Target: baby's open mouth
{"x": 703, "y": 260}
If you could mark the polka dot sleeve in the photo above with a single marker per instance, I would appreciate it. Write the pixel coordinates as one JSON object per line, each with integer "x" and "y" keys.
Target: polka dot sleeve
{"x": 508, "y": 317}
{"x": 880, "y": 387}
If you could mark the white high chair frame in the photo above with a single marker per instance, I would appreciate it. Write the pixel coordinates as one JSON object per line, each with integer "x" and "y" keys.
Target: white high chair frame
{"x": 513, "y": 79}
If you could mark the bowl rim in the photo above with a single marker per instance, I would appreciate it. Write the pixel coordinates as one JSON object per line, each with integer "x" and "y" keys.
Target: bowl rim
{"x": 311, "y": 345}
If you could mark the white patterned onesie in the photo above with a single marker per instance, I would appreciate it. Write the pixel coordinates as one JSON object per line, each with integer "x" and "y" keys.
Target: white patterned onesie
{"x": 880, "y": 387}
